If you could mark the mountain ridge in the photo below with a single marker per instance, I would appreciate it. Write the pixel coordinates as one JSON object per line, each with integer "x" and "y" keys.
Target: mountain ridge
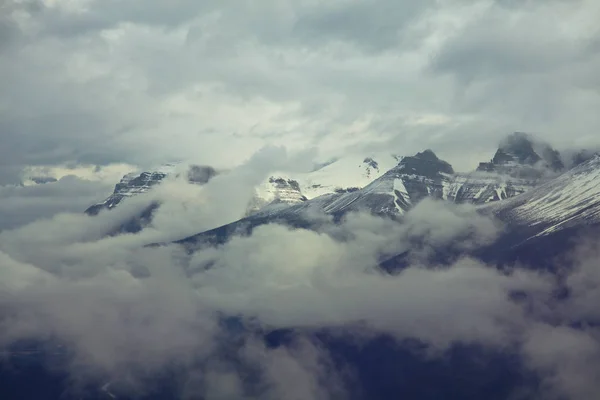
{"x": 382, "y": 184}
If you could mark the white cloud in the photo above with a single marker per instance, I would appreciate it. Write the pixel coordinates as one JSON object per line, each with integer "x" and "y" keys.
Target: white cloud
{"x": 127, "y": 311}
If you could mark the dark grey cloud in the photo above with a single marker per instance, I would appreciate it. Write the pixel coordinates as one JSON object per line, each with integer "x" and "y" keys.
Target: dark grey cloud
{"x": 371, "y": 25}
{"x": 492, "y": 46}
{"x": 214, "y": 81}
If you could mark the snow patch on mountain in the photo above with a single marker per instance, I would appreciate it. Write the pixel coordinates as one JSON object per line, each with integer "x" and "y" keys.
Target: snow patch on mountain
{"x": 135, "y": 183}
{"x": 482, "y": 188}
{"x": 346, "y": 173}
{"x": 382, "y": 183}
{"x": 343, "y": 175}
{"x": 570, "y": 199}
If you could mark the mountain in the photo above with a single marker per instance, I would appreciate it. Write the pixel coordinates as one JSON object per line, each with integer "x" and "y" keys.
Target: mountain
{"x": 519, "y": 164}
{"x": 541, "y": 227}
{"x": 337, "y": 176}
{"x": 569, "y": 200}
{"x": 276, "y": 191}
{"x": 392, "y": 194}
{"x": 521, "y": 156}
{"x": 417, "y": 177}
{"x": 135, "y": 183}
{"x": 130, "y": 185}
{"x": 381, "y": 184}
{"x": 346, "y": 174}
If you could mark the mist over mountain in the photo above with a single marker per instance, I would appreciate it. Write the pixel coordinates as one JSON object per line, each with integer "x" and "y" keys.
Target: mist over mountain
{"x": 381, "y": 183}
{"x": 299, "y": 200}
{"x": 400, "y": 284}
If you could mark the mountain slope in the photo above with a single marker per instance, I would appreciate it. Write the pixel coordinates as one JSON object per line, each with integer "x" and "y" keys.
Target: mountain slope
{"x": 415, "y": 178}
{"x": 342, "y": 175}
{"x": 346, "y": 174}
{"x": 383, "y": 184}
{"x": 135, "y": 183}
{"x": 567, "y": 203}
{"x": 571, "y": 199}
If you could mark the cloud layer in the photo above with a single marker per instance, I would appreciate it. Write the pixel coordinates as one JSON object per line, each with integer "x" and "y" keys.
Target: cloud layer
{"x": 126, "y": 313}
{"x": 137, "y": 82}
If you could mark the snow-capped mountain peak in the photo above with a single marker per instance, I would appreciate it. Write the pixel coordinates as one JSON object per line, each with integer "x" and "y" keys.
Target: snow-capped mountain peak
{"x": 135, "y": 183}
{"x": 342, "y": 175}
{"x": 346, "y": 174}
{"x": 389, "y": 184}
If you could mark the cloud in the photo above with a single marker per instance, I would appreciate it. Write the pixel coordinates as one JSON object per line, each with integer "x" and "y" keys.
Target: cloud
{"x": 502, "y": 46}
{"x": 567, "y": 358}
{"x": 332, "y": 281}
{"x": 213, "y": 82}
{"x": 20, "y": 205}
{"x": 126, "y": 312}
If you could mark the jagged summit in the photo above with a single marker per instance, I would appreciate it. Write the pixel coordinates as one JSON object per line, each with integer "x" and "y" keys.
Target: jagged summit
{"x": 135, "y": 183}
{"x": 276, "y": 190}
{"x": 427, "y": 155}
{"x": 517, "y": 147}
{"x": 521, "y": 155}
{"x": 425, "y": 163}
{"x": 384, "y": 183}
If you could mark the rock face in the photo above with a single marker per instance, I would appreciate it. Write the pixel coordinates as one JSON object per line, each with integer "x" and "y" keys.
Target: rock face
{"x": 410, "y": 181}
{"x": 572, "y": 198}
{"x": 425, "y": 175}
{"x": 520, "y": 156}
{"x": 519, "y": 164}
{"x": 413, "y": 179}
{"x": 482, "y": 188}
{"x": 276, "y": 191}
{"x": 134, "y": 183}
{"x": 540, "y": 224}
{"x": 382, "y": 183}
{"x": 130, "y": 185}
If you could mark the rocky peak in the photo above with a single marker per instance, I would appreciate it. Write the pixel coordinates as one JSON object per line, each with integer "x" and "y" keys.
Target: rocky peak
{"x": 136, "y": 183}
{"x": 427, "y": 155}
{"x": 425, "y": 164}
{"x": 520, "y": 155}
{"x": 282, "y": 183}
{"x": 277, "y": 190}
{"x": 518, "y": 148}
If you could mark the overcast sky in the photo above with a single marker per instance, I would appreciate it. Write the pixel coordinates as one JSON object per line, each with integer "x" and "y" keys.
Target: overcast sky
{"x": 147, "y": 81}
